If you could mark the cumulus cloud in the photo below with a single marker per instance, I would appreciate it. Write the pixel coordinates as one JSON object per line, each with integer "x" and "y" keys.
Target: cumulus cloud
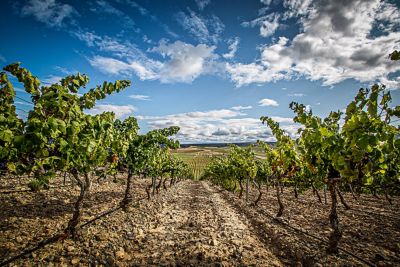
{"x": 297, "y": 8}
{"x": 120, "y": 111}
{"x": 243, "y": 74}
{"x": 268, "y": 102}
{"x": 338, "y": 41}
{"x": 233, "y": 47}
{"x": 185, "y": 61}
{"x": 50, "y": 12}
{"x": 218, "y": 126}
{"x": 282, "y": 119}
{"x": 140, "y": 97}
{"x": 197, "y": 115}
{"x": 221, "y": 125}
{"x": 204, "y": 30}
{"x": 241, "y": 107}
{"x": 182, "y": 62}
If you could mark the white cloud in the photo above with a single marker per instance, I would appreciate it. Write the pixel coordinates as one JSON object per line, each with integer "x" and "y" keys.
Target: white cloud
{"x": 271, "y": 57}
{"x": 242, "y": 74}
{"x": 338, "y": 41}
{"x": 147, "y": 39}
{"x": 197, "y": 115}
{"x": 391, "y": 84}
{"x": 204, "y": 30}
{"x": 268, "y": 23}
{"x": 387, "y": 13}
{"x": 182, "y": 62}
{"x": 114, "y": 46}
{"x": 185, "y": 61}
{"x": 140, "y": 97}
{"x": 297, "y": 8}
{"x": 268, "y": 102}
{"x": 118, "y": 67}
{"x": 120, "y": 111}
{"x": 65, "y": 70}
{"x": 88, "y": 37}
{"x": 241, "y": 107}
{"x": 282, "y": 119}
{"x": 268, "y": 27}
{"x": 217, "y": 126}
{"x": 50, "y": 12}
{"x": 51, "y": 79}
{"x": 201, "y": 4}
{"x": 233, "y": 47}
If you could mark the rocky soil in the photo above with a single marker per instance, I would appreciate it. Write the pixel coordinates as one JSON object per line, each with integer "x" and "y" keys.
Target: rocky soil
{"x": 190, "y": 224}
{"x": 371, "y": 227}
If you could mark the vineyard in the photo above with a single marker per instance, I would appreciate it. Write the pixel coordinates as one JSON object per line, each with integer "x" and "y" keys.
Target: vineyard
{"x": 83, "y": 189}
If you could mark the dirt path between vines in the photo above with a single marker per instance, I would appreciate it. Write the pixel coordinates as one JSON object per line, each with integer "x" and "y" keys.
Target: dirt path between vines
{"x": 197, "y": 226}
{"x": 190, "y": 224}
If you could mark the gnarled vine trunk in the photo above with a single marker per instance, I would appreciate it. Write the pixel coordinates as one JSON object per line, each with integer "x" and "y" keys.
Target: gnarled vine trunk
{"x": 241, "y": 188}
{"x": 352, "y": 192}
{"x": 317, "y": 193}
{"x": 247, "y": 189}
{"x": 258, "y": 185}
{"x": 387, "y": 196}
{"x": 65, "y": 178}
{"x": 149, "y": 187}
{"x": 346, "y": 206}
{"x": 153, "y": 184}
{"x": 128, "y": 196}
{"x": 336, "y": 234}
{"x": 164, "y": 184}
{"x": 278, "y": 196}
{"x": 159, "y": 185}
{"x": 84, "y": 185}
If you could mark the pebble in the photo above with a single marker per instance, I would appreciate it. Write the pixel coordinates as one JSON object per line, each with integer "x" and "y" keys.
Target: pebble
{"x": 75, "y": 261}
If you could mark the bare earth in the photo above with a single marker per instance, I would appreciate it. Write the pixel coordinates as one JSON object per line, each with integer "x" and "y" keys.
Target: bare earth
{"x": 191, "y": 224}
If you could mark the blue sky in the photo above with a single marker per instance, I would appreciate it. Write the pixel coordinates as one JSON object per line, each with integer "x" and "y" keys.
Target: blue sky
{"x": 212, "y": 67}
